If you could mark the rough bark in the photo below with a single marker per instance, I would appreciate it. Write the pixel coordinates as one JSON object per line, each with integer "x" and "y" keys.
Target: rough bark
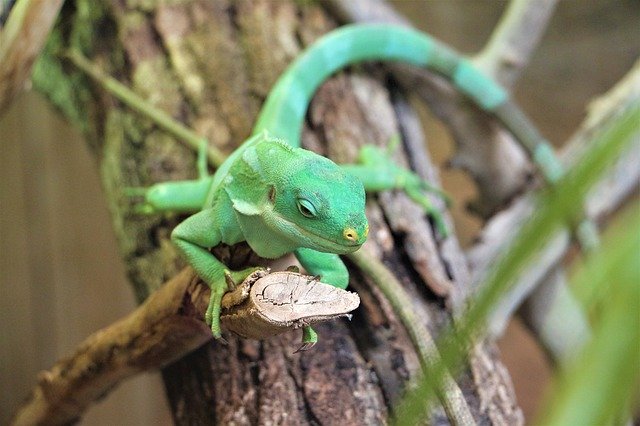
{"x": 210, "y": 65}
{"x": 169, "y": 325}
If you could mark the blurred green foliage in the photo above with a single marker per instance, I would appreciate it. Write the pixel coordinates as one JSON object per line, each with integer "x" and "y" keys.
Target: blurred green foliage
{"x": 596, "y": 388}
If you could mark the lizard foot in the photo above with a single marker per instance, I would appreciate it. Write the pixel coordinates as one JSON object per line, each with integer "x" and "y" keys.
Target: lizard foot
{"x": 434, "y": 213}
{"x": 212, "y": 316}
{"x": 138, "y": 198}
{"x": 309, "y": 339}
{"x": 387, "y": 175}
{"x": 230, "y": 284}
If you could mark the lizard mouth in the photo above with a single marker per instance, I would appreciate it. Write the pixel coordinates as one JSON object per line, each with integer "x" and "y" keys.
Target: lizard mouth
{"x": 331, "y": 246}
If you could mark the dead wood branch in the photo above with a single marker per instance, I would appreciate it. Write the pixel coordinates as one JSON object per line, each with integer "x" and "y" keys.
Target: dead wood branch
{"x": 169, "y": 325}
{"x": 515, "y": 39}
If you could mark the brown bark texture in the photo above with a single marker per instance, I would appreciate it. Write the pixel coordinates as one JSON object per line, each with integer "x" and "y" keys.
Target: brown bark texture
{"x": 210, "y": 64}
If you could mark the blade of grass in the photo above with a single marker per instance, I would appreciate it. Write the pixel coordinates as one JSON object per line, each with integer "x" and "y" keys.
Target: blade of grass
{"x": 597, "y": 387}
{"x": 556, "y": 208}
{"x": 594, "y": 281}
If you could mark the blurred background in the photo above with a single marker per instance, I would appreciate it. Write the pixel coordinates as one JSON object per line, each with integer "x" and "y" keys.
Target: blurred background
{"x": 62, "y": 279}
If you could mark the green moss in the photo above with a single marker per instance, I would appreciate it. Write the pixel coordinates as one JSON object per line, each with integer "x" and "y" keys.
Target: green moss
{"x": 65, "y": 91}
{"x": 154, "y": 81}
{"x": 89, "y": 22}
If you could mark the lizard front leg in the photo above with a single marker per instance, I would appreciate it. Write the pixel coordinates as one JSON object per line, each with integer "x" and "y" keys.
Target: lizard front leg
{"x": 194, "y": 237}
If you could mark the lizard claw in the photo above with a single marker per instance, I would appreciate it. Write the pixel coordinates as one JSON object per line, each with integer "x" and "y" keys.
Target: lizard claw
{"x": 231, "y": 283}
{"x": 309, "y": 339}
{"x": 305, "y": 347}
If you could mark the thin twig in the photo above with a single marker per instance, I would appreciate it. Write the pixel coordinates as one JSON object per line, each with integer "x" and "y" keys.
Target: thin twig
{"x": 449, "y": 394}
{"x": 514, "y": 40}
{"x": 135, "y": 102}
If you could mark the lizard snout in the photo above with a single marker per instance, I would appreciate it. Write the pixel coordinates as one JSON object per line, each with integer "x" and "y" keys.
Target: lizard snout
{"x": 353, "y": 236}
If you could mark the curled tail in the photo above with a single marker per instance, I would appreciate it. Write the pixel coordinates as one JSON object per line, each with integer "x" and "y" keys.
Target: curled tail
{"x": 283, "y": 112}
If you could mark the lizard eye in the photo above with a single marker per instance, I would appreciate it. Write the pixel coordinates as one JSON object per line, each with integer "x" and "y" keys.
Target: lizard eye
{"x": 306, "y": 208}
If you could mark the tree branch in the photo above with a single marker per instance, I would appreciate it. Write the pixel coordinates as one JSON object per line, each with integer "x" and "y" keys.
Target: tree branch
{"x": 178, "y": 47}
{"x": 483, "y": 147}
{"x": 169, "y": 325}
{"x": 515, "y": 39}
{"x": 21, "y": 40}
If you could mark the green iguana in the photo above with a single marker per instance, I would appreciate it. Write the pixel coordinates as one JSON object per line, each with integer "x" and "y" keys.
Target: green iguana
{"x": 280, "y": 198}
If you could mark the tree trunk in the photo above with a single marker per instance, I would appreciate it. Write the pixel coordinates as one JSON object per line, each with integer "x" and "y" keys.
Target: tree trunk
{"x": 210, "y": 64}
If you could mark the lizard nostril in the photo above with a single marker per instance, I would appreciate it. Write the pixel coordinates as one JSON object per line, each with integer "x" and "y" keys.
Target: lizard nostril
{"x": 350, "y": 234}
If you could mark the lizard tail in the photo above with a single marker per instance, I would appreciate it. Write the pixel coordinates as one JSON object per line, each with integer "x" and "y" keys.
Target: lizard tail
{"x": 283, "y": 112}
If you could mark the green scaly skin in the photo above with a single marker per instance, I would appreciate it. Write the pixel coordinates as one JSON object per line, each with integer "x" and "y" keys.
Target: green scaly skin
{"x": 281, "y": 198}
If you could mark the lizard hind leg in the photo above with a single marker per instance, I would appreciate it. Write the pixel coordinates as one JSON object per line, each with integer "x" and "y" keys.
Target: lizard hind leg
{"x": 186, "y": 196}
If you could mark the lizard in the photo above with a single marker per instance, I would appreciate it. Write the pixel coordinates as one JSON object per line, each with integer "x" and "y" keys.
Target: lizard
{"x": 280, "y": 198}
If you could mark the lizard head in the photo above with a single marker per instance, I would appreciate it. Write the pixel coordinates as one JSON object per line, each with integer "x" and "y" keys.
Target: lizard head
{"x": 320, "y": 206}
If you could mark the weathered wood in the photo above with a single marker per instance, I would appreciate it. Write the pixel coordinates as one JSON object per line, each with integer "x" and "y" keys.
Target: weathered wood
{"x": 144, "y": 339}
{"x": 270, "y": 304}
